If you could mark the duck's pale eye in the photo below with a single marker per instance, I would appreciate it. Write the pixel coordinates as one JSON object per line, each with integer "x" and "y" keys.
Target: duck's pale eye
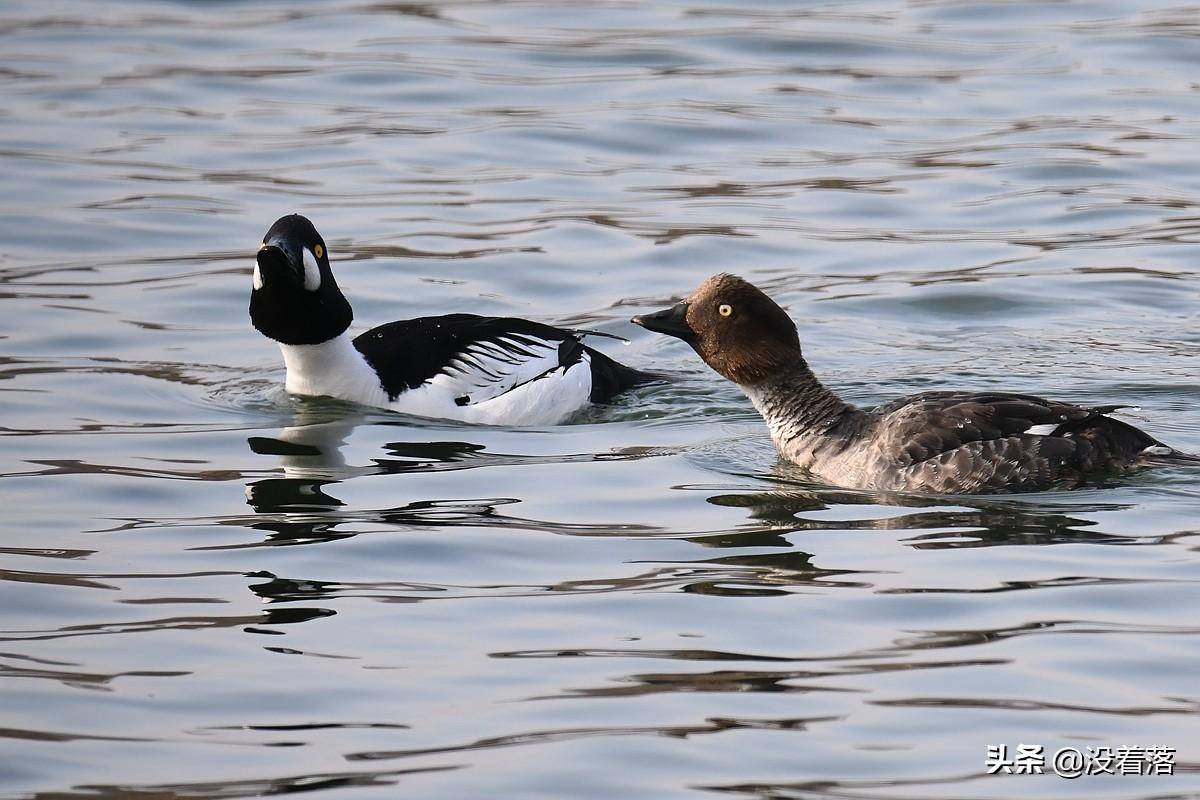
{"x": 319, "y": 250}
{"x": 725, "y": 310}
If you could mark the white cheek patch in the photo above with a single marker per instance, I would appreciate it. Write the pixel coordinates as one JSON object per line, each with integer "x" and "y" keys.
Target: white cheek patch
{"x": 258, "y": 281}
{"x": 312, "y": 272}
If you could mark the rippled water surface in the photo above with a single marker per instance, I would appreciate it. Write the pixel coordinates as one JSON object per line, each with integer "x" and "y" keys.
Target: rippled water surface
{"x": 211, "y": 590}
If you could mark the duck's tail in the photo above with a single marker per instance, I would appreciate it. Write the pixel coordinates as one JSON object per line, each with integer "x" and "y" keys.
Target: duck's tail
{"x": 611, "y": 377}
{"x": 1165, "y": 455}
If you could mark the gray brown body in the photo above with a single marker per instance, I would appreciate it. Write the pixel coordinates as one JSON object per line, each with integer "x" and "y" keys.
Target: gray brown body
{"x": 946, "y": 442}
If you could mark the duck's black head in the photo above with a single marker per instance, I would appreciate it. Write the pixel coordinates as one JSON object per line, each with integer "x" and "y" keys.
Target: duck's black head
{"x": 295, "y": 299}
{"x": 738, "y": 331}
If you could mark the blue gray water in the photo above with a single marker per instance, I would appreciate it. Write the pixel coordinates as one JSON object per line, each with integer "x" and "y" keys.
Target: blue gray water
{"x": 211, "y": 590}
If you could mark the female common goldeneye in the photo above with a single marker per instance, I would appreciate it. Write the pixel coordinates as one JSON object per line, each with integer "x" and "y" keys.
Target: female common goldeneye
{"x": 942, "y": 442}
{"x": 495, "y": 370}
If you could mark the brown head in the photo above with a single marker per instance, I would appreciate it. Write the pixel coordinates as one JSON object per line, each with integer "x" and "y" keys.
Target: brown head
{"x": 738, "y": 331}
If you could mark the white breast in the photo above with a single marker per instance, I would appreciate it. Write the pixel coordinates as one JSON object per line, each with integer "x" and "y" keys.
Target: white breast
{"x": 332, "y": 369}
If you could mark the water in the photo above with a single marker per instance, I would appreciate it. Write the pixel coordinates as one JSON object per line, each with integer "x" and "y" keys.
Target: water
{"x": 211, "y": 590}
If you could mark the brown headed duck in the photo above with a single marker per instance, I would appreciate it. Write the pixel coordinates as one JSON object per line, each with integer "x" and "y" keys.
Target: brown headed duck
{"x": 941, "y": 442}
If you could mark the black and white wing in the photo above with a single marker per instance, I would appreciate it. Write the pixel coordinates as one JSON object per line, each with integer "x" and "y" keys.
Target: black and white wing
{"x": 469, "y": 359}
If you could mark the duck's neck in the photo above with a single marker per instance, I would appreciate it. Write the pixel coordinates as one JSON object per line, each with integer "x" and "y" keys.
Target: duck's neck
{"x": 797, "y": 407}
{"x": 334, "y": 368}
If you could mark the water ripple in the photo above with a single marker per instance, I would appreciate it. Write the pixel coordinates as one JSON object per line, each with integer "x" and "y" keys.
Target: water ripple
{"x": 214, "y": 590}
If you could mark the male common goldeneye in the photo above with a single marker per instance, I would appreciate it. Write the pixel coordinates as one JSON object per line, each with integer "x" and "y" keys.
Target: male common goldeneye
{"x": 496, "y": 370}
{"x": 942, "y": 442}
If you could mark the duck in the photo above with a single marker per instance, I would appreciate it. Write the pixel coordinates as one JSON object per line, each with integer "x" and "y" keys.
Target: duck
{"x": 936, "y": 442}
{"x": 464, "y": 367}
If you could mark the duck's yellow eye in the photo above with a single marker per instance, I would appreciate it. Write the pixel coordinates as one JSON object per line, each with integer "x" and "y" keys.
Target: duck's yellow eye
{"x": 725, "y": 310}
{"x": 318, "y": 250}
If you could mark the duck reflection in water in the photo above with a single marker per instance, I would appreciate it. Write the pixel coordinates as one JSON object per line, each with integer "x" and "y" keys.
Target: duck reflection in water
{"x": 301, "y": 507}
{"x": 937, "y": 522}
{"x": 311, "y": 456}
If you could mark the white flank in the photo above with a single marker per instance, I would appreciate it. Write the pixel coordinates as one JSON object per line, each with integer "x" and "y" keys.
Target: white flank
{"x": 533, "y": 391}
{"x": 257, "y": 280}
{"x": 546, "y": 401}
{"x": 1042, "y": 430}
